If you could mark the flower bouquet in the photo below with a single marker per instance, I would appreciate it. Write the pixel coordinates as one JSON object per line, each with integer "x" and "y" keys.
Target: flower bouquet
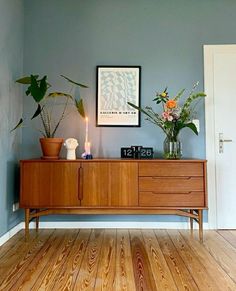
{"x": 172, "y": 118}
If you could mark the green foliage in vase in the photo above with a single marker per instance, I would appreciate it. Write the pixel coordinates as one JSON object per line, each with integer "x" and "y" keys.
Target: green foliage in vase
{"x": 173, "y": 117}
{"x": 47, "y": 104}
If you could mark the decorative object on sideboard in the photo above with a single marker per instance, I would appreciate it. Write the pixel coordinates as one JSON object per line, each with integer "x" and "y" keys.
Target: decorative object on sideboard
{"x": 116, "y": 85}
{"x": 136, "y": 152}
{"x": 87, "y": 145}
{"x": 51, "y": 147}
{"x": 71, "y": 145}
{"x": 50, "y": 108}
{"x": 172, "y": 118}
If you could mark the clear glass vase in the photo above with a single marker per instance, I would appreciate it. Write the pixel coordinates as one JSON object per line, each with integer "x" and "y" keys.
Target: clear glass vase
{"x": 172, "y": 148}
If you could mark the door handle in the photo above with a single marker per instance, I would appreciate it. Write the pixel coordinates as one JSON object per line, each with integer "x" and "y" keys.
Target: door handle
{"x": 221, "y": 142}
{"x": 226, "y": 140}
{"x": 80, "y": 183}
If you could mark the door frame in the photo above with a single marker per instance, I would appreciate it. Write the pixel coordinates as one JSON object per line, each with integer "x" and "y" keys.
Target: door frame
{"x": 211, "y": 148}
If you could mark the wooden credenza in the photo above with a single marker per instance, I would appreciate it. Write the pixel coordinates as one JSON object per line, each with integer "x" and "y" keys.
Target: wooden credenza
{"x": 113, "y": 186}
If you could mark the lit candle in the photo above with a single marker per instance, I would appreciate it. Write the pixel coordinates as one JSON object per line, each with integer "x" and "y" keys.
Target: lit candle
{"x": 87, "y": 148}
{"x": 86, "y": 130}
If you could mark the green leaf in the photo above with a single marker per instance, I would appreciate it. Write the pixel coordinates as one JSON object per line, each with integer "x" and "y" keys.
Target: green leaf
{"x": 190, "y": 99}
{"x": 26, "y": 80}
{"x": 156, "y": 99}
{"x": 80, "y": 107}
{"x": 73, "y": 82}
{"x": 59, "y": 94}
{"x": 38, "y": 89}
{"x": 27, "y": 92}
{"x": 142, "y": 110}
{"x": 179, "y": 95}
{"x": 192, "y": 126}
{"x": 18, "y": 124}
{"x": 135, "y": 106}
{"x": 37, "y": 112}
{"x": 43, "y": 85}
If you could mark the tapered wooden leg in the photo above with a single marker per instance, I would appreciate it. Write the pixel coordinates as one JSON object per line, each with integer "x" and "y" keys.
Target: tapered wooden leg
{"x": 27, "y": 219}
{"x": 200, "y": 221}
{"x": 191, "y": 221}
{"x": 37, "y": 220}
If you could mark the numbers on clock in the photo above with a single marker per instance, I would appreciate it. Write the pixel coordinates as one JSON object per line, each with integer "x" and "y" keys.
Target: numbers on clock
{"x": 127, "y": 153}
{"x": 146, "y": 153}
{"x": 137, "y": 152}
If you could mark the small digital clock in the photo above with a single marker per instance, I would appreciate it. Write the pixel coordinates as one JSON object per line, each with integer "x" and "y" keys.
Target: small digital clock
{"x": 137, "y": 152}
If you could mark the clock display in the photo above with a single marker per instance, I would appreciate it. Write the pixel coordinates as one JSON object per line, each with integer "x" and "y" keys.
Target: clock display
{"x": 137, "y": 152}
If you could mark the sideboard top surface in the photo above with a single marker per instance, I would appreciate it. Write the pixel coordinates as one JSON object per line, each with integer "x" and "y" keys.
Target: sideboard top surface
{"x": 116, "y": 160}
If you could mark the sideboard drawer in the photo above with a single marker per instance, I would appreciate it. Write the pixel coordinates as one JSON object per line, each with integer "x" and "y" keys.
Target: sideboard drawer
{"x": 188, "y": 199}
{"x": 167, "y": 169}
{"x": 171, "y": 184}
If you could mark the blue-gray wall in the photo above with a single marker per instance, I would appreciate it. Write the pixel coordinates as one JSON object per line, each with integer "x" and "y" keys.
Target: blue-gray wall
{"x": 11, "y": 66}
{"x": 165, "y": 37}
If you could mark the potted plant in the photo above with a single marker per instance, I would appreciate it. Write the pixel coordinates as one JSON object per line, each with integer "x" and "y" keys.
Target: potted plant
{"x": 46, "y": 104}
{"x": 172, "y": 118}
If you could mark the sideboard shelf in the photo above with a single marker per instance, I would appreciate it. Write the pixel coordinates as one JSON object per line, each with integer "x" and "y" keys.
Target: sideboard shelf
{"x": 113, "y": 186}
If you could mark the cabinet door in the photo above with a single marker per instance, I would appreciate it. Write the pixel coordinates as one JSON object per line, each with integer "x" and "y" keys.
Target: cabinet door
{"x": 110, "y": 184}
{"x": 95, "y": 184}
{"x": 124, "y": 184}
{"x": 49, "y": 184}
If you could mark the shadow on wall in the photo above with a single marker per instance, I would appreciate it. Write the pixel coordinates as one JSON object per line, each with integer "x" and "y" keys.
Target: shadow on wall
{"x": 13, "y": 192}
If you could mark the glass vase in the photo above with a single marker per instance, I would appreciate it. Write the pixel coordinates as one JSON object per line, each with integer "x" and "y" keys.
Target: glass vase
{"x": 172, "y": 148}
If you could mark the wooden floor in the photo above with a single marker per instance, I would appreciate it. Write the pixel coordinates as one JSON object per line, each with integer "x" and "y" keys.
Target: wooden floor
{"x": 117, "y": 260}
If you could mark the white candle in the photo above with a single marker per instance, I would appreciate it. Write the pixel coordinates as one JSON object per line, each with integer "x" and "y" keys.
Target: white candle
{"x": 87, "y": 147}
{"x": 86, "y": 130}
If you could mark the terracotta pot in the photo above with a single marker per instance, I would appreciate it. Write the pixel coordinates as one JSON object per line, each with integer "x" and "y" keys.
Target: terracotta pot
{"x": 51, "y": 148}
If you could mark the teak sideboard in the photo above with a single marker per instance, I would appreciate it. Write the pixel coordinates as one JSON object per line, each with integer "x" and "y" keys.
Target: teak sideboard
{"x": 113, "y": 186}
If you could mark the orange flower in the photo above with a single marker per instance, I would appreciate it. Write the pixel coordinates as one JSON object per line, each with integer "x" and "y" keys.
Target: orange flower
{"x": 170, "y": 104}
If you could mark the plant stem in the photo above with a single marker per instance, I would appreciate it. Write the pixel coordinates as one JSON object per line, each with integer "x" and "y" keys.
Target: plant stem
{"x": 61, "y": 118}
{"x": 42, "y": 113}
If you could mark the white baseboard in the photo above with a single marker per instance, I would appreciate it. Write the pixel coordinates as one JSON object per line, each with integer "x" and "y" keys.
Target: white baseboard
{"x": 11, "y": 233}
{"x": 116, "y": 224}
{"x": 100, "y": 224}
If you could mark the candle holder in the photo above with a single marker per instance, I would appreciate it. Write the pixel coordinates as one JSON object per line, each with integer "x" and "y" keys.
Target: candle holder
{"x": 87, "y": 154}
{"x": 89, "y": 157}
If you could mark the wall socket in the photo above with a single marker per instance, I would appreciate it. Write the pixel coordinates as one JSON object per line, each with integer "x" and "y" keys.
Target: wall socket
{"x": 15, "y": 206}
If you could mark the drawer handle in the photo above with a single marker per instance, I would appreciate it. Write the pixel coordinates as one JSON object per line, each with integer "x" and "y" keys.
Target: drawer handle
{"x": 179, "y": 192}
{"x": 80, "y": 183}
{"x": 165, "y": 177}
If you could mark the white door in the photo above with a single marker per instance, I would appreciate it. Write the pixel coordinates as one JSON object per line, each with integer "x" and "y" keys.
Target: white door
{"x": 220, "y": 87}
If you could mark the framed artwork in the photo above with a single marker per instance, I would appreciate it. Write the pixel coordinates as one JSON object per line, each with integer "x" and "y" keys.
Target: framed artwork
{"x": 117, "y": 85}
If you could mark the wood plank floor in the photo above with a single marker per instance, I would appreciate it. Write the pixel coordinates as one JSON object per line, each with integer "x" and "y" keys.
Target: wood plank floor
{"x": 119, "y": 259}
